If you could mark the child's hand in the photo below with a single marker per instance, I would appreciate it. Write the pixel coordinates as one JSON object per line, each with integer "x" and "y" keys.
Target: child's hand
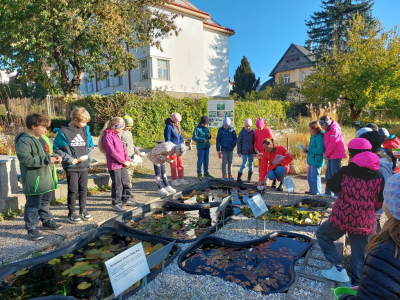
{"x": 127, "y": 164}
{"x": 205, "y": 141}
{"x": 74, "y": 161}
{"x": 240, "y": 155}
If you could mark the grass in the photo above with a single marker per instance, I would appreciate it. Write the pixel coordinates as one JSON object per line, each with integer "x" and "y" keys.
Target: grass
{"x": 59, "y": 201}
{"x": 98, "y": 190}
{"x": 140, "y": 173}
{"x": 9, "y": 214}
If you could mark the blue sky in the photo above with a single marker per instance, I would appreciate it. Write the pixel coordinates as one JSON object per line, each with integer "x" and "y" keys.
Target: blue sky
{"x": 266, "y": 28}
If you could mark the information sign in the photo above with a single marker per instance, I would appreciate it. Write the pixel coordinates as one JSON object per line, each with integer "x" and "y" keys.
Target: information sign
{"x": 218, "y": 109}
{"x": 257, "y": 205}
{"x": 289, "y": 184}
{"x": 223, "y": 204}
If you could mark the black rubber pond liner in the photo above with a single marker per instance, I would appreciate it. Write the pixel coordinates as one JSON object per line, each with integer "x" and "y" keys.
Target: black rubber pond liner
{"x": 209, "y": 241}
{"x": 124, "y": 219}
{"x": 313, "y": 204}
{"x": 14, "y": 267}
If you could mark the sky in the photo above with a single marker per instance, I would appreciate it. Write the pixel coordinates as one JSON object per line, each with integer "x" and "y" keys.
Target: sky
{"x": 266, "y": 28}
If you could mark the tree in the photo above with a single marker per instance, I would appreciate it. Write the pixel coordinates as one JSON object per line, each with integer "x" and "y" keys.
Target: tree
{"x": 328, "y": 27}
{"x": 366, "y": 73}
{"x": 78, "y": 36}
{"x": 245, "y": 79}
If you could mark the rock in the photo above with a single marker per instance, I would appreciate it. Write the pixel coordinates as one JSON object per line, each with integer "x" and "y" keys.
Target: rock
{"x": 294, "y": 170}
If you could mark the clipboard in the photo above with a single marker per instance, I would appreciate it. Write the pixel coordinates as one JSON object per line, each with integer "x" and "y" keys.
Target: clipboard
{"x": 278, "y": 158}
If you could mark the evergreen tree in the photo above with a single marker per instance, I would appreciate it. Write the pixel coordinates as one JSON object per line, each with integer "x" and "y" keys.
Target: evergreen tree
{"x": 328, "y": 27}
{"x": 245, "y": 79}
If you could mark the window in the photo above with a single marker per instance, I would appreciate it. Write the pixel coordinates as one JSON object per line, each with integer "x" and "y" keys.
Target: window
{"x": 144, "y": 69}
{"x": 286, "y": 78}
{"x": 163, "y": 72}
{"x": 304, "y": 75}
{"x": 120, "y": 80}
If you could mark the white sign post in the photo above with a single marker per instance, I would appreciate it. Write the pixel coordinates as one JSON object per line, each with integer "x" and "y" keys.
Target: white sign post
{"x": 258, "y": 207}
{"x": 289, "y": 184}
{"x": 222, "y": 207}
{"x": 127, "y": 268}
{"x": 218, "y": 109}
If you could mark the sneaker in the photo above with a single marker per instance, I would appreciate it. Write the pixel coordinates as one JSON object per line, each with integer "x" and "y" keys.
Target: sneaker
{"x": 34, "y": 235}
{"x": 163, "y": 192}
{"x": 208, "y": 176}
{"x": 170, "y": 189}
{"x": 334, "y": 274}
{"x": 183, "y": 181}
{"x": 119, "y": 208}
{"x": 175, "y": 183}
{"x": 85, "y": 215}
{"x": 334, "y": 197}
{"x": 51, "y": 225}
{"x": 199, "y": 177}
{"x": 74, "y": 219}
{"x": 225, "y": 177}
{"x": 231, "y": 178}
{"x": 280, "y": 188}
{"x": 273, "y": 184}
{"x": 130, "y": 203}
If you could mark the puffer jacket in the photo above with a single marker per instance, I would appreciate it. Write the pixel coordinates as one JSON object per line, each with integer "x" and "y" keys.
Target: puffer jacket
{"x": 333, "y": 141}
{"x": 116, "y": 153}
{"x": 360, "y": 187}
{"x": 245, "y": 142}
{"x": 226, "y": 139}
{"x": 159, "y": 154}
{"x": 260, "y": 136}
{"x": 392, "y": 144}
{"x": 385, "y": 167}
{"x": 316, "y": 148}
{"x": 170, "y": 135}
{"x": 199, "y": 135}
{"x": 268, "y": 157}
{"x": 380, "y": 276}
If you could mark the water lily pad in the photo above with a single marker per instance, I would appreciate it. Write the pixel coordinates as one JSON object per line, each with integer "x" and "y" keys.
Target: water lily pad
{"x": 54, "y": 261}
{"x": 9, "y": 279}
{"x": 84, "y": 285}
{"x": 85, "y": 274}
{"x": 80, "y": 259}
{"x": 105, "y": 237}
{"x": 91, "y": 256}
{"x": 92, "y": 244}
{"x": 69, "y": 255}
{"x": 21, "y": 272}
{"x": 107, "y": 255}
{"x": 95, "y": 274}
{"x": 64, "y": 267}
{"x": 94, "y": 252}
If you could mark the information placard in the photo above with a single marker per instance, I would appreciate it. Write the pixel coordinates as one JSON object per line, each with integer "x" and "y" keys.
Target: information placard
{"x": 223, "y": 204}
{"x": 257, "y": 205}
{"x": 218, "y": 109}
{"x": 127, "y": 268}
{"x": 289, "y": 184}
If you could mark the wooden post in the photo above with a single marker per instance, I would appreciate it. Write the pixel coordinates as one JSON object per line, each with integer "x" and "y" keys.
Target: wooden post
{"x": 287, "y": 144}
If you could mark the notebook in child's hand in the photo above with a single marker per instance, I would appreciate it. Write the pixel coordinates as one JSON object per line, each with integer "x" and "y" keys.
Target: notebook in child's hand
{"x": 302, "y": 147}
{"x": 278, "y": 158}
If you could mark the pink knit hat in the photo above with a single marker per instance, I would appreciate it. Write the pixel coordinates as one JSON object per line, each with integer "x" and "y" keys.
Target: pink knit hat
{"x": 260, "y": 123}
{"x": 248, "y": 122}
{"x": 176, "y": 117}
{"x": 359, "y": 143}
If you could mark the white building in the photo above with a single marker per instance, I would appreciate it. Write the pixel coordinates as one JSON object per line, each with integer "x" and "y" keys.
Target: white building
{"x": 195, "y": 63}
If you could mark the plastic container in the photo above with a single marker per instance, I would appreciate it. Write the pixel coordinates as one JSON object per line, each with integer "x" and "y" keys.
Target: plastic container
{"x": 339, "y": 291}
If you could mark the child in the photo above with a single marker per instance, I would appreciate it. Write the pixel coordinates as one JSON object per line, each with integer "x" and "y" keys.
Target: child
{"x": 126, "y": 138}
{"x": 173, "y": 133}
{"x": 38, "y": 174}
{"x": 226, "y": 142}
{"x": 159, "y": 155}
{"x": 202, "y": 136}
{"x": 260, "y": 134}
{"x": 315, "y": 157}
{"x": 245, "y": 149}
{"x": 334, "y": 149}
{"x": 269, "y": 166}
{"x": 359, "y": 186}
{"x": 72, "y": 142}
{"x": 117, "y": 163}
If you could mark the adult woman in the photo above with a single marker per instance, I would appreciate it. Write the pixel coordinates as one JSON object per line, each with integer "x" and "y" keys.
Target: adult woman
{"x": 274, "y": 163}
{"x": 335, "y": 150}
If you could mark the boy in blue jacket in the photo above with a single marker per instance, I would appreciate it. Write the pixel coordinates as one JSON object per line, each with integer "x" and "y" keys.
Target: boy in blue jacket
{"x": 202, "y": 136}
{"x": 226, "y": 142}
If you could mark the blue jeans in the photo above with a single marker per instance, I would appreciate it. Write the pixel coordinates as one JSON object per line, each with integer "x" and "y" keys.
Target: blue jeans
{"x": 279, "y": 173}
{"x": 37, "y": 207}
{"x": 332, "y": 167}
{"x": 246, "y": 158}
{"x": 202, "y": 159}
{"x": 314, "y": 179}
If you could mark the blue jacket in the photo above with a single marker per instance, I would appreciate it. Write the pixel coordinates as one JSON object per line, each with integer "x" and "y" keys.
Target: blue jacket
{"x": 170, "y": 134}
{"x": 245, "y": 142}
{"x": 62, "y": 148}
{"x": 199, "y": 135}
{"x": 226, "y": 139}
{"x": 316, "y": 149}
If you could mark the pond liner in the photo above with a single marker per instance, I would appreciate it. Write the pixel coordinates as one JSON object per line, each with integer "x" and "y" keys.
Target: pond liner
{"x": 227, "y": 243}
{"x": 124, "y": 218}
{"x": 14, "y": 267}
{"x": 312, "y": 202}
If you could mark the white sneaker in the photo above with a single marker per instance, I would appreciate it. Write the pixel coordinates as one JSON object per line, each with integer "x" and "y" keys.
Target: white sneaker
{"x": 324, "y": 195}
{"x": 334, "y": 274}
{"x": 163, "y": 192}
{"x": 170, "y": 189}
{"x": 334, "y": 197}
{"x": 183, "y": 181}
{"x": 175, "y": 183}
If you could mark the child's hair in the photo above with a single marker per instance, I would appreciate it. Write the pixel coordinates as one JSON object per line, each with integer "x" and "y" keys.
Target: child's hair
{"x": 314, "y": 125}
{"x": 390, "y": 231}
{"x": 108, "y": 125}
{"x": 178, "y": 126}
{"x": 81, "y": 114}
{"x": 269, "y": 141}
{"x": 36, "y": 120}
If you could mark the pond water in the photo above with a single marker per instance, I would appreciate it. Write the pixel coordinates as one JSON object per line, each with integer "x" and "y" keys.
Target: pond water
{"x": 81, "y": 274}
{"x": 264, "y": 267}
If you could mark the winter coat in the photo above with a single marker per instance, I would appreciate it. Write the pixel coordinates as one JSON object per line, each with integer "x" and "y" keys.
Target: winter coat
{"x": 170, "y": 135}
{"x": 62, "y": 147}
{"x": 385, "y": 167}
{"x": 260, "y": 136}
{"x": 380, "y": 276}
{"x": 268, "y": 157}
{"x": 333, "y": 141}
{"x": 159, "y": 154}
{"x": 360, "y": 187}
{"x": 127, "y": 140}
{"x": 392, "y": 144}
{"x": 199, "y": 135}
{"x": 116, "y": 153}
{"x": 226, "y": 139}
{"x": 245, "y": 142}
{"x": 316, "y": 149}
{"x": 38, "y": 175}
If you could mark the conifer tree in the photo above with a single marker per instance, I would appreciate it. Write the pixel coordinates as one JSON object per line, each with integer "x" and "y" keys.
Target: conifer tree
{"x": 245, "y": 79}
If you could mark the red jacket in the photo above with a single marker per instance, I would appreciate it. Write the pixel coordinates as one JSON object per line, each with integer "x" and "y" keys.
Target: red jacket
{"x": 392, "y": 144}
{"x": 260, "y": 136}
{"x": 268, "y": 157}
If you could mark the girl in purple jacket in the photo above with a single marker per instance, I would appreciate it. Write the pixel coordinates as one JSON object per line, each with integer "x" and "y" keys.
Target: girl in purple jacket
{"x": 117, "y": 163}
